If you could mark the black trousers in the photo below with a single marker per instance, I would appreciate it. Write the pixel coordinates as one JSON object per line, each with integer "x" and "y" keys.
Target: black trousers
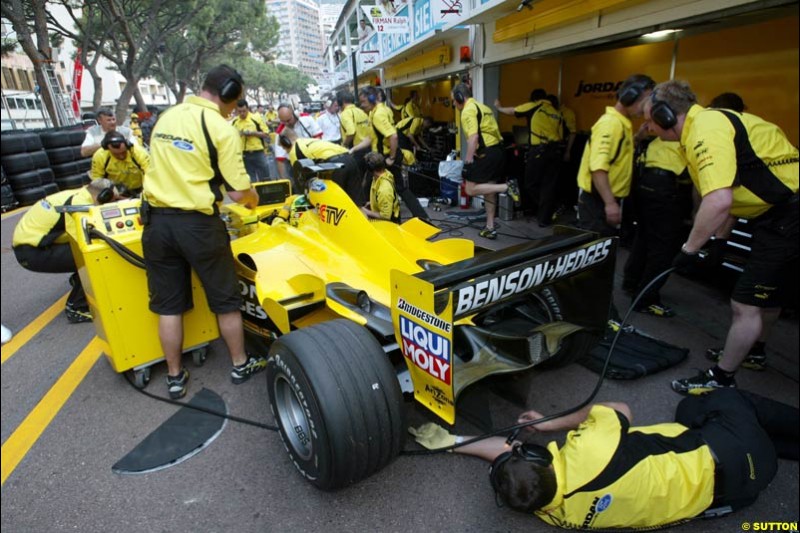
{"x": 349, "y": 177}
{"x": 747, "y": 433}
{"x": 541, "y": 179}
{"x": 54, "y": 259}
{"x": 401, "y": 186}
{"x": 592, "y": 214}
{"x": 659, "y": 232}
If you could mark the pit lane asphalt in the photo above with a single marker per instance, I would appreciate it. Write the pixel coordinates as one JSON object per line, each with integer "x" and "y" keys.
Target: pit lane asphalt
{"x": 244, "y": 481}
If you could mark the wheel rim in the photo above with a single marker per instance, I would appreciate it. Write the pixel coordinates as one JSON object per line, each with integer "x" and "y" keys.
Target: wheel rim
{"x": 293, "y": 418}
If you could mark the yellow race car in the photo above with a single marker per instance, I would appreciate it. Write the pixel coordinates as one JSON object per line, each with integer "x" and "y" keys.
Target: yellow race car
{"x": 357, "y": 313}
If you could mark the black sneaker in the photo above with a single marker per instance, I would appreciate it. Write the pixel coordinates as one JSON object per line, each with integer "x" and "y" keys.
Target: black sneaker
{"x": 753, "y": 361}
{"x": 242, "y": 373}
{"x": 177, "y": 384}
{"x": 513, "y": 190}
{"x": 702, "y": 383}
{"x": 488, "y": 233}
{"x": 659, "y": 310}
{"x": 76, "y": 316}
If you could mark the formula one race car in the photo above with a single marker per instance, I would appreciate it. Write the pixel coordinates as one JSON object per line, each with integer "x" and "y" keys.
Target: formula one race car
{"x": 359, "y": 312}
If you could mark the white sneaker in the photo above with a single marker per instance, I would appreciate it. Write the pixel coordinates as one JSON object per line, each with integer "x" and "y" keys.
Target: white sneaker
{"x": 6, "y": 334}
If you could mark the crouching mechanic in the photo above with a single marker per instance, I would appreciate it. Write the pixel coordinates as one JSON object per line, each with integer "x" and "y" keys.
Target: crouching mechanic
{"x": 41, "y": 243}
{"x": 121, "y": 161}
{"x": 384, "y": 203}
{"x": 197, "y": 156}
{"x": 716, "y": 457}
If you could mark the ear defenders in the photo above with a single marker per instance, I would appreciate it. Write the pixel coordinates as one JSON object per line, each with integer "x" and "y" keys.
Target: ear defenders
{"x": 284, "y": 141}
{"x": 231, "y": 89}
{"x": 372, "y": 97}
{"x": 662, "y": 114}
{"x": 114, "y": 139}
{"x": 458, "y": 96}
{"x": 533, "y": 453}
{"x": 631, "y": 93}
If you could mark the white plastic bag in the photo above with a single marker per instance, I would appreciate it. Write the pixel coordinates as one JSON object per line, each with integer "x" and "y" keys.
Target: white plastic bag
{"x": 451, "y": 170}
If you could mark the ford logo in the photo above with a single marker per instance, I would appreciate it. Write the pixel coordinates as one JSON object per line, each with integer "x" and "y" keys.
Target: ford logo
{"x": 604, "y": 502}
{"x": 183, "y": 145}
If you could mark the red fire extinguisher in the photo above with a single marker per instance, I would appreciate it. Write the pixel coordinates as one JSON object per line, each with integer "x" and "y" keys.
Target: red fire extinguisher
{"x": 463, "y": 198}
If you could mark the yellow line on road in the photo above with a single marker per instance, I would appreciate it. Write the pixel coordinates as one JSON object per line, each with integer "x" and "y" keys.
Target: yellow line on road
{"x": 14, "y": 213}
{"x": 27, "y": 333}
{"x": 25, "y": 436}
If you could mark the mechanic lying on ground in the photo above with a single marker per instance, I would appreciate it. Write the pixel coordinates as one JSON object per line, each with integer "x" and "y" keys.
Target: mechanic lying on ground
{"x": 384, "y": 203}
{"x": 41, "y": 243}
{"x": 719, "y": 454}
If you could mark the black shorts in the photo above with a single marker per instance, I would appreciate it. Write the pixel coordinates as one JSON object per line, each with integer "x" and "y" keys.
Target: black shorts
{"x": 173, "y": 245}
{"x": 488, "y": 167}
{"x": 775, "y": 248}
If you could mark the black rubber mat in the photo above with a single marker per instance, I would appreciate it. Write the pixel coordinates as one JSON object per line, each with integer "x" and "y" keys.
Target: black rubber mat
{"x": 180, "y": 437}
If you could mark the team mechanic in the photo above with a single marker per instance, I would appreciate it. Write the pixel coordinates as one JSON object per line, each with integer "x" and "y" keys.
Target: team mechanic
{"x": 41, "y": 243}
{"x": 716, "y": 457}
{"x": 744, "y": 167}
{"x": 319, "y": 151}
{"x": 606, "y": 167}
{"x": 121, "y": 161}
{"x": 384, "y": 139}
{"x": 255, "y": 137}
{"x": 541, "y": 165}
{"x": 195, "y": 154}
{"x": 484, "y": 161}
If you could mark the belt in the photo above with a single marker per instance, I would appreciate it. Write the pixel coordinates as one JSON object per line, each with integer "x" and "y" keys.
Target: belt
{"x": 660, "y": 172}
{"x": 257, "y": 151}
{"x": 173, "y": 211}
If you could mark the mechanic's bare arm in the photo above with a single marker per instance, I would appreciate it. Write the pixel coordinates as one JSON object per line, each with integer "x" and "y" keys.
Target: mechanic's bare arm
{"x": 570, "y": 421}
{"x": 603, "y": 187}
{"x": 503, "y": 110}
{"x": 248, "y": 198}
{"x": 365, "y": 143}
{"x": 713, "y": 214}
{"x": 392, "y": 150}
{"x": 347, "y": 142}
{"x": 88, "y": 151}
{"x": 472, "y": 147}
{"x": 487, "y": 449}
{"x": 724, "y": 231}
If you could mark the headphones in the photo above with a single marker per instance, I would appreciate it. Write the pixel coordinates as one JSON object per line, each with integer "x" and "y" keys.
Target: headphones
{"x": 284, "y": 141}
{"x": 531, "y": 453}
{"x": 372, "y": 95}
{"x": 458, "y": 96}
{"x": 106, "y": 195}
{"x": 662, "y": 113}
{"x": 231, "y": 89}
{"x": 114, "y": 139}
{"x": 633, "y": 92}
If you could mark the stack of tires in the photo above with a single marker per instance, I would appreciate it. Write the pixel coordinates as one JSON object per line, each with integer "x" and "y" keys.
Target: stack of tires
{"x": 26, "y": 167}
{"x": 63, "y": 147}
{"x": 9, "y": 201}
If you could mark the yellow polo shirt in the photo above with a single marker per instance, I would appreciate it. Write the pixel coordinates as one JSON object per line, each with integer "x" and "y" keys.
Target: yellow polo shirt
{"x": 544, "y": 121}
{"x": 128, "y": 172}
{"x": 181, "y": 174}
{"x": 42, "y": 226}
{"x": 476, "y": 117}
{"x": 354, "y": 122}
{"x": 410, "y": 125}
{"x": 252, "y": 122}
{"x": 411, "y": 109}
{"x": 666, "y": 155}
{"x": 609, "y": 148}
{"x": 381, "y": 122}
{"x": 382, "y": 196}
{"x": 569, "y": 118}
{"x": 315, "y": 149}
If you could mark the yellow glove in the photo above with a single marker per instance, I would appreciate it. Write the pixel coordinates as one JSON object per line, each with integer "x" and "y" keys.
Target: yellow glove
{"x": 432, "y": 436}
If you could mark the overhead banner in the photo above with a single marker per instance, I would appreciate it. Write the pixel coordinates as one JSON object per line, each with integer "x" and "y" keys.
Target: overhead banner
{"x": 385, "y": 22}
{"x": 77, "y": 78}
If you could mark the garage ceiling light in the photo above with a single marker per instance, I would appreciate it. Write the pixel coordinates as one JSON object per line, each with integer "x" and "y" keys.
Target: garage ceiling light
{"x": 658, "y": 34}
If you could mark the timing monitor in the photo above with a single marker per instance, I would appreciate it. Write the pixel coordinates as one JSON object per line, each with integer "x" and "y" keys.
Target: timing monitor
{"x": 273, "y": 192}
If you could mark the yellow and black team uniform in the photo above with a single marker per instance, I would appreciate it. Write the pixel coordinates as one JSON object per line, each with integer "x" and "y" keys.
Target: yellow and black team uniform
{"x": 255, "y": 158}
{"x": 348, "y": 177}
{"x": 739, "y": 150}
{"x": 127, "y": 173}
{"x": 570, "y": 122}
{"x": 354, "y": 122}
{"x": 489, "y": 162}
{"x": 410, "y": 110}
{"x": 546, "y": 127}
{"x": 661, "y": 195}
{"x": 41, "y": 243}
{"x": 609, "y": 148}
{"x": 405, "y": 129}
{"x": 195, "y": 154}
{"x": 721, "y": 451}
{"x": 383, "y": 197}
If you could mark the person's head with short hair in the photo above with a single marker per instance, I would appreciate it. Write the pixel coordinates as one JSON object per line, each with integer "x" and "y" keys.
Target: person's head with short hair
{"x": 107, "y": 119}
{"x": 332, "y": 106}
{"x": 523, "y": 485}
{"x": 287, "y": 115}
{"x": 363, "y": 24}
{"x": 730, "y": 101}
{"x": 116, "y": 143}
{"x": 375, "y": 162}
{"x": 219, "y": 79}
{"x": 461, "y": 92}
{"x": 242, "y": 109}
{"x": 538, "y": 94}
{"x": 102, "y": 191}
{"x": 345, "y": 98}
{"x": 633, "y": 93}
{"x": 260, "y": 109}
{"x": 675, "y": 97}
{"x": 553, "y": 99}
{"x": 368, "y": 98}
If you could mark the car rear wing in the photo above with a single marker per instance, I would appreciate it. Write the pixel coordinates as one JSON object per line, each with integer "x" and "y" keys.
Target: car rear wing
{"x": 427, "y": 306}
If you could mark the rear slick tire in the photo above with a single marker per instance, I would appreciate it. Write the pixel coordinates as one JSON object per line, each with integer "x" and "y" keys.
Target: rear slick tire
{"x": 337, "y": 401}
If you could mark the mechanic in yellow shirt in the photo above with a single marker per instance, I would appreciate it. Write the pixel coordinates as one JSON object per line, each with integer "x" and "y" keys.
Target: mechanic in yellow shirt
{"x": 411, "y": 131}
{"x": 41, "y": 242}
{"x": 384, "y": 204}
{"x": 717, "y": 456}
{"x": 319, "y": 151}
{"x": 545, "y": 124}
{"x": 197, "y": 159}
{"x": 355, "y": 128}
{"x": 606, "y": 168}
{"x": 742, "y": 166}
{"x": 121, "y": 161}
{"x": 484, "y": 161}
{"x": 384, "y": 139}
{"x": 255, "y": 138}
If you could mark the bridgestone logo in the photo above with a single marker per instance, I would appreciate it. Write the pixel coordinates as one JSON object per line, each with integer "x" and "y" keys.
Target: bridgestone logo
{"x": 426, "y": 317}
{"x": 487, "y": 291}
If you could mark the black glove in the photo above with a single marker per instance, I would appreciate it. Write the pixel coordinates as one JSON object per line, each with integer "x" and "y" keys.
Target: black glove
{"x": 684, "y": 262}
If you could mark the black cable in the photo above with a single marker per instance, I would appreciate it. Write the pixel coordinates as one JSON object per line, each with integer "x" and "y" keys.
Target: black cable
{"x": 125, "y": 252}
{"x": 201, "y": 409}
{"x": 518, "y": 427}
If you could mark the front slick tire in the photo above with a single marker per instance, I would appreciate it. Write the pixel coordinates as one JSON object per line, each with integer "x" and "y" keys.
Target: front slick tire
{"x": 337, "y": 401}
